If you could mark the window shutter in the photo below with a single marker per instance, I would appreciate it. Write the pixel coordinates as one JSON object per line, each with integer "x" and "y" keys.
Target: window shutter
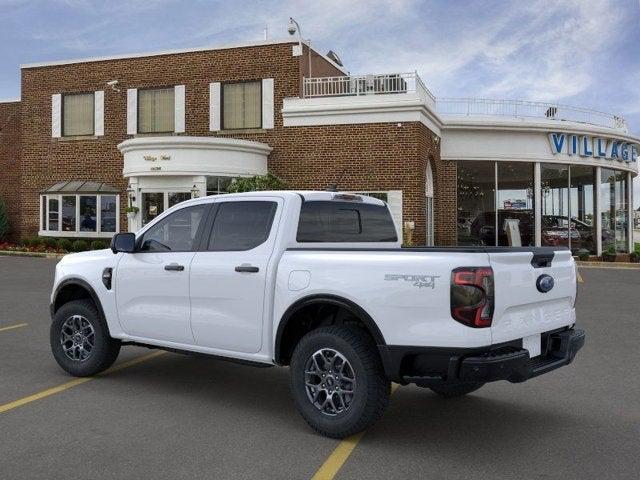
{"x": 98, "y": 112}
{"x": 56, "y": 115}
{"x": 179, "y": 99}
{"x": 215, "y": 112}
{"x": 132, "y": 111}
{"x": 267, "y": 103}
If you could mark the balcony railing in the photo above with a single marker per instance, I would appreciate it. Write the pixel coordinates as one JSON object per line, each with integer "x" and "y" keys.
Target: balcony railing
{"x": 400, "y": 83}
{"x": 356, "y": 85}
{"x": 526, "y": 109}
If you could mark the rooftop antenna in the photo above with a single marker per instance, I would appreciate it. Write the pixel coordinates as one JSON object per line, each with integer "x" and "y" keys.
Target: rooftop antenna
{"x": 333, "y": 187}
{"x": 266, "y": 32}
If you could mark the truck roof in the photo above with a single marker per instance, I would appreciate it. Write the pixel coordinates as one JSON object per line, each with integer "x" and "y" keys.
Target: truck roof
{"x": 307, "y": 195}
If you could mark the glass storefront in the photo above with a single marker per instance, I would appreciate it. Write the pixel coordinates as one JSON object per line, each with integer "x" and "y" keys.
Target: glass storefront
{"x": 497, "y": 205}
{"x": 582, "y": 208}
{"x": 614, "y": 211}
{"x": 476, "y": 203}
{"x": 516, "y": 220}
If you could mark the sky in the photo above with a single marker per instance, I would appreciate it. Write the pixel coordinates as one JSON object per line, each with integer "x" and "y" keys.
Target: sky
{"x": 577, "y": 52}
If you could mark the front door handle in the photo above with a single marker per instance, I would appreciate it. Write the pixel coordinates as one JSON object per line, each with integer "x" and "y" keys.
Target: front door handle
{"x": 247, "y": 269}
{"x": 174, "y": 267}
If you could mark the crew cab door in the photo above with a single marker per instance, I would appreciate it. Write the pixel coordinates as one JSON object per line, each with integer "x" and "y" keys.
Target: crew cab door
{"x": 152, "y": 284}
{"x": 228, "y": 278}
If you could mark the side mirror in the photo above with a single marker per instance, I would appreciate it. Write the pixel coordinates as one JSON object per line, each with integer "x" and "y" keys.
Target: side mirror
{"x": 123, "y": 242}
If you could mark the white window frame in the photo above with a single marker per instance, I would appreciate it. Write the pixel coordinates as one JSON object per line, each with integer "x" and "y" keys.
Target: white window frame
{"x": 78, "y": 233}
{"x": 94, "y": 116}
{"x": 261, "y": 103}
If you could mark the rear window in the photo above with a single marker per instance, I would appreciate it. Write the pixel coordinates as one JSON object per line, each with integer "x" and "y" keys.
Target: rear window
{"x": 334, "y": 221}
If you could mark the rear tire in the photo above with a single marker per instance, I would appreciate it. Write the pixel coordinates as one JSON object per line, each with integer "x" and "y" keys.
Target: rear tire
{"x": 456, "y": 390}
{"x": 80, "y": 340}
{"x": 354, "y": 381}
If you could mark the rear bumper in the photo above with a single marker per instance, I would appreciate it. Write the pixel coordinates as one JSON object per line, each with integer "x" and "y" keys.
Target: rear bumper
{"x": 426, "y": 366}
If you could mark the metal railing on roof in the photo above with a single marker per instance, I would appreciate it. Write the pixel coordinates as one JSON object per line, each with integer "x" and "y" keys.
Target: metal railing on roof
{"x": 372, "y": 84}
{"x": 527, "y": 109}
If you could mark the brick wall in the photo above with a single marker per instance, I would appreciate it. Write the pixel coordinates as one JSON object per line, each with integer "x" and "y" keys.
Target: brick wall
{"x": 9, "y": 160}
{"x": 45, "y": 161}
{"x": 445, "y": 189}
{"x": 366, "y": 156}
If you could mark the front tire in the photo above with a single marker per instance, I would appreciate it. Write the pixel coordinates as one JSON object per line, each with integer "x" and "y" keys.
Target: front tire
{"x": 338, "y": 382}
{"x": 456, "y": 390}
{"x": 80, "y": 340}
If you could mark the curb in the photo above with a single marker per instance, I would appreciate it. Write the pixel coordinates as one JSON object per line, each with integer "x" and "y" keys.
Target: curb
{"x": 11, "y": 253}
{"x": 609, "y": 265}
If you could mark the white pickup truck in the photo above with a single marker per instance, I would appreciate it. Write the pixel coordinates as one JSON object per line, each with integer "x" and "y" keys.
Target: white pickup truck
{"x": 318, "y": 281}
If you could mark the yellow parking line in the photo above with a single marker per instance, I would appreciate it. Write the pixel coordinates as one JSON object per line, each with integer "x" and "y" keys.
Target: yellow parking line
{"x": 580, "y": 280}
{"x": 19, "y": 325}
{"x": 74, "y": 383}
{"x": 339, "y": 456}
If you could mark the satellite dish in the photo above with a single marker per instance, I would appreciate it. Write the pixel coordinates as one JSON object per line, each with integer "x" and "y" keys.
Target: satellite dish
{"x": 334, "y": 56}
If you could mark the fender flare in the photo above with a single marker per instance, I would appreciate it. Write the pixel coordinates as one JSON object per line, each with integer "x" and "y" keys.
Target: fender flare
{"x": 82, "y": 284}
{"x": 352, "y": 307}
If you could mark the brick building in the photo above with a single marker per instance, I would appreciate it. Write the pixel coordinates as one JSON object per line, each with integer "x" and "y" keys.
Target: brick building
{"x": 90, "y": 137}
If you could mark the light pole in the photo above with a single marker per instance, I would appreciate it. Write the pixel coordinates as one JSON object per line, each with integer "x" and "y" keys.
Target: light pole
{"x": 292, "y": 29}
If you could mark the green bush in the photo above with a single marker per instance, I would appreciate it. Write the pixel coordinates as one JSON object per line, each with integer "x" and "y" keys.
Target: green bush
{"x": 49, "y": 242}
{"x": 80, "y": 246}
{"x": 26, "y": 242}
{"x": 583, "y": 254}
{"x": 609, "y": 255}
{"x": 35, "y": 241}
{"x": 65, "y": 244}
{"x": 4, "y": 221}
{"x": 257, "y": 183}
{"x": 98, "y": 245}
{"x": 634, "y": 257}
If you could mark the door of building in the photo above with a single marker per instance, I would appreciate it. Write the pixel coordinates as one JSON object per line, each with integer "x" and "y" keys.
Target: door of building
{"x": 154, "y": 203}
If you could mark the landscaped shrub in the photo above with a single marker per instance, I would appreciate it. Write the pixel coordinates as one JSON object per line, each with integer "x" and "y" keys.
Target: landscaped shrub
{"x": 36, "y": 242}
{"x": 583, "y": 254}
{"x": 65, "y": 244}
{"x": 256, "y": 183}
{"x": 610, "y": 254}
{"x": 79, "y": 246}
{"x": 98, "y": 245}
{"x": 49, "y": 242}
{"x": 26, "y": 242}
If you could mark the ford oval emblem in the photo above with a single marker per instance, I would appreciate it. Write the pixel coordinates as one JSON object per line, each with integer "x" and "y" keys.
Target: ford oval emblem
{"x": 544, "y": 283}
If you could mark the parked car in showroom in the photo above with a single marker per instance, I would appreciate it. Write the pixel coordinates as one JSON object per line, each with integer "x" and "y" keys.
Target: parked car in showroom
{"x": 318, "y": 282}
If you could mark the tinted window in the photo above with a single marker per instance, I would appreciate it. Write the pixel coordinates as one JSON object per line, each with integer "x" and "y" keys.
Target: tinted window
{"x": 345, "y": 222}
{"x": 241, "y": 225}
{"x": 176, "y": 233}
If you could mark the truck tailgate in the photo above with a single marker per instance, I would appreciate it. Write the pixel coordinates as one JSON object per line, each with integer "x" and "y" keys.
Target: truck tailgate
{"x": 521, "y": 309}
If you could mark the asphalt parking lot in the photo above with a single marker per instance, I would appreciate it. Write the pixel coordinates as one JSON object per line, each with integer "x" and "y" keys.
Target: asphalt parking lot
{"x": 174, "y": 416}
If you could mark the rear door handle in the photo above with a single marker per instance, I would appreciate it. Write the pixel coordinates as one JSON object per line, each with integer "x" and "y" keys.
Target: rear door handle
{"x": 174, "y": 267}
{"x": 247, "y": 269}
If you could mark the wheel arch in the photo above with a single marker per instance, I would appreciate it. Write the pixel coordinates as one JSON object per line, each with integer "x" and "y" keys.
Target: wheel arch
{"x": 289, "y": 318}
{"x": 74, "y": 289}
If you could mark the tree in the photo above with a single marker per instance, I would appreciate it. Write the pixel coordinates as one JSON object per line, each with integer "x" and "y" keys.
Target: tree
{"x": 256, "y": 184}
{"x": 4, "y": 221}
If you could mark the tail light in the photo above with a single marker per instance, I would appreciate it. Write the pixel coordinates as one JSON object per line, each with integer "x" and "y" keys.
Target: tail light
{"x": 472, "y": 297}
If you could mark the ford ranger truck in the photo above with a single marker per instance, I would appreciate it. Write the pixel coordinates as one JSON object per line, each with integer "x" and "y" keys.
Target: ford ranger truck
{"x": 318, "y": 282}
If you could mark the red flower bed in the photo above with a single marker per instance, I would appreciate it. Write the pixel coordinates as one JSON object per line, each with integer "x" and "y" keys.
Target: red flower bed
{"x": 14, "y": 247}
